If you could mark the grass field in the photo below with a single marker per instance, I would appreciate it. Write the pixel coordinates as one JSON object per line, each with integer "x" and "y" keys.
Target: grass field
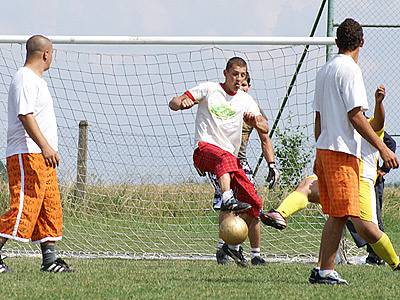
{"x": 121, "y": 279}
{"x": 173, "y": 279}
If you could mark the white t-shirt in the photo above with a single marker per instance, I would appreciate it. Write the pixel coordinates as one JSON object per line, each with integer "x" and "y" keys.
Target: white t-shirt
{"x": 29, "y": 93}
{"x": 219, "y": 118}
{"x": 369, "y": 157}
{"x": 339, "y": 88}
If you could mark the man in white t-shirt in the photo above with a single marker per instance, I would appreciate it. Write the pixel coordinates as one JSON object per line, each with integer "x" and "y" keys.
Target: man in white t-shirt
{"x": 35, "y": 208}
{"x": 339, "y": 101}
{"x": 222, "y": 109}
{"x": 272, "y": 178}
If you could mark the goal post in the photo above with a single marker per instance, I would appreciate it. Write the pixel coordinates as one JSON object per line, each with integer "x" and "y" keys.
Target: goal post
{"x": 141, "y": 197}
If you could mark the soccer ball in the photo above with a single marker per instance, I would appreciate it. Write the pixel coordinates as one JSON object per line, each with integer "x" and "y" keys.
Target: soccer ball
{"x": 233, "y": 230}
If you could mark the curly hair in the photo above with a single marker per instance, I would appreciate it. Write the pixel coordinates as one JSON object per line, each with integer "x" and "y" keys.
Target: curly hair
{"x": 349, "y": 35}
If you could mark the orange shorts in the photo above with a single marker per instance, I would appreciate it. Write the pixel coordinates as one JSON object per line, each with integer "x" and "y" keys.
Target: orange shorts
{"x": 338, "y": 182}
{"x": 35, "y": 208}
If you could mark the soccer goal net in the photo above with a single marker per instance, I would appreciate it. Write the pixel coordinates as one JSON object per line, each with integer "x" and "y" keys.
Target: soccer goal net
{"x": 128, "y": 185}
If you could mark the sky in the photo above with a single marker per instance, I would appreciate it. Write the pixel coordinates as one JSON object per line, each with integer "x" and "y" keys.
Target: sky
{"x": 161, "y": 17}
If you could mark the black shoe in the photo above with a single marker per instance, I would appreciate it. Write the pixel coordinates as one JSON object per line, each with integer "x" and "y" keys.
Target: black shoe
{"x": 332, "y": 279}
{"x": 313, "y": 276}
{"x": 397, "y": 268}
{"x": 373, "y": 259}
{"x": 258, "y": 261}
{"x": 58, "y": 266}
{"x": 222, "y": 258}
{"x": 3, "y": 267}
{"x": 234, "y": 205}
{"x": 236, "y": 255}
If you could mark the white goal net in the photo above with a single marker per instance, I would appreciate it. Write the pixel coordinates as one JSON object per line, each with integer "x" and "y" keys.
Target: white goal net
{"x": 132, "y": 190}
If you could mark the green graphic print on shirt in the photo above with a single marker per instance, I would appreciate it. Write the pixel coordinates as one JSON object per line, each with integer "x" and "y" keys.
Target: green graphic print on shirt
{"x": 222, "y": 111}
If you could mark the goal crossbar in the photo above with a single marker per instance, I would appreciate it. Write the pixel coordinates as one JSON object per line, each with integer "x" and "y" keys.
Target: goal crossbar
{"x": 176, "y": 40}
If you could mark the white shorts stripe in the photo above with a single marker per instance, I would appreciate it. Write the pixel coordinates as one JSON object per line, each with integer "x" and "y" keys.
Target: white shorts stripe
{"x": 21, "y": 195}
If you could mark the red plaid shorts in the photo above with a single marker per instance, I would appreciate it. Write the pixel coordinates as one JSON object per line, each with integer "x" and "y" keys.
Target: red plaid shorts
{"x": 211, "y": 158}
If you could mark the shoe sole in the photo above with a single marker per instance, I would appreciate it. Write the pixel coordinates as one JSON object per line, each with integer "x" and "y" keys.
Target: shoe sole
{"x": 259, "y": 264}
{"x": 235, "y": 210}
{"x": 273, "y": 223}
{"x": 327, "y": 282}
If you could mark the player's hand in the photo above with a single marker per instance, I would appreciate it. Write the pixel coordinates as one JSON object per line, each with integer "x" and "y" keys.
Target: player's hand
{"x": 380, "y": 176}
{"x": 273, "y": 175}
{"x": 389, "y": 158}
{"x": 187, "y": 103}
{"x": 380, "y": 94}
{"x": 51, "y": 157}
{"x": 250, "y": 119}
{"x": 257, "y": 122}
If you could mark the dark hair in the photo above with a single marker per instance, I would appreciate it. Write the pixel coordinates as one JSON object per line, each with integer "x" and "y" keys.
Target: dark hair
{"x": 349, "y": 35}
{"x": 237, "y": 61}
{"x": 248, "y": 79}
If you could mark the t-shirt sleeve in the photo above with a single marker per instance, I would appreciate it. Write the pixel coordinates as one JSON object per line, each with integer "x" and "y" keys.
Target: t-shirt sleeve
{"x": 317, "y": 95}
{"x": 353, "y": 90}
{"x": 26, "y": 94}
{"x": 198, "y": 92}
{"x": 253, "y": 107}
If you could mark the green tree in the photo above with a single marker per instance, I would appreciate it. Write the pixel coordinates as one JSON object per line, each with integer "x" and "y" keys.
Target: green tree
{"x": 292, "y": 153}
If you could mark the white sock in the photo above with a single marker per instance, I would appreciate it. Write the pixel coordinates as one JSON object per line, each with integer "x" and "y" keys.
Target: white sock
{"x": 227, "y": 195}
{"x": 220, "y": 243}
{"x": 234, "y": 247}
{"x": 325, "y": 273}
{"x": 255, "y": 252}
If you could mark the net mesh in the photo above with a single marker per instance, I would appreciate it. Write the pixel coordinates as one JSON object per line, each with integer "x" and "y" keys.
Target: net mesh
{"x": 142, "y": 197}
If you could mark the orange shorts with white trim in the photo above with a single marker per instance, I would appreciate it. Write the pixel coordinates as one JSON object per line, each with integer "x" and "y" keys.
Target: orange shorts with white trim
{"x": 35, "y": 207}
{"x": 338, "y": 182}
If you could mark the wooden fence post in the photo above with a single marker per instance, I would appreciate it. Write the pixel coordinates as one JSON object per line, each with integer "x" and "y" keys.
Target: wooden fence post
{"x": 81, "y": 168}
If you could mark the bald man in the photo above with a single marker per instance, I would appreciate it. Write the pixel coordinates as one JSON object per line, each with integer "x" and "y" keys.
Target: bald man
{"x": 35, "y": 208}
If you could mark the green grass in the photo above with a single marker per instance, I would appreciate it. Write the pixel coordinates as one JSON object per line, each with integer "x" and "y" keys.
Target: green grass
{"x": 121, "y": 279}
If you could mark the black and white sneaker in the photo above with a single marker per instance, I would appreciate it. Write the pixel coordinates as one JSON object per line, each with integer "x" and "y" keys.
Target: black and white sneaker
{"x": 3, "y": 267}
{"x": 234, "y": 205}
{"x": 222, "y": 258}
{"x": 332, "y": 278}
{"x": 258, "y": 261}
{"x": 373, "y": 259}
{"x": 58, "y": 266}
{"x": 236, "y": 255}
{"x": 313, "y": 275}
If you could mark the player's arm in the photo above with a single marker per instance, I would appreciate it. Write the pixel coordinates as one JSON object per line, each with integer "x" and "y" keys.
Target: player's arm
{"x": 378, "y": 121}
{"x": 51, "y": 156}
{"x": 258, "y": 122}
{"x": 317, "y": 125}
{"x": 361, "y": 124}
{"x": 391, "y": 143}
{"x": 269, "y": 155}
{"x": 181, "y": 102}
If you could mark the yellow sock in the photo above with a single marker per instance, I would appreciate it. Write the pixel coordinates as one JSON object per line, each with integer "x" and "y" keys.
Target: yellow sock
{"x": 292, "y": 203}
{"x": 384, "y": 249}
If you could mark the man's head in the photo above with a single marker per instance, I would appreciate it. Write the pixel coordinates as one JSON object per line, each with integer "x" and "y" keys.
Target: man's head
{"x": 235, "y": 73}
{"x": 349, "y": 35}
{"x": 245, "y": 86}
{"x": 39, "y": 49}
